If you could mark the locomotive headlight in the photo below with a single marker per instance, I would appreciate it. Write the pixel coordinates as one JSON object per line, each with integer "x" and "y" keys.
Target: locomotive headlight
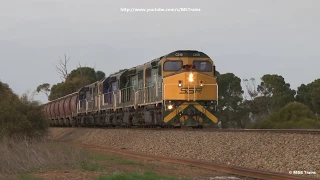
{"x": 201, "y": 83}
{"x": 170, "y": 106}
{"x": 190, "y": 77}
{"x": 179, "y": 83}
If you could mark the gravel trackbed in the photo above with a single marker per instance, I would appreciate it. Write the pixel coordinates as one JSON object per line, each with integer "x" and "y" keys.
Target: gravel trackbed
{"x": 266, "y": 151}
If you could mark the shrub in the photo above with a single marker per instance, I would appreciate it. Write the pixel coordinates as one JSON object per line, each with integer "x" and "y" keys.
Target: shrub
{"x": 293, "y": 111}
{"x": 20, "y": 116}
{"x": 302, "y": 124}
{"x": 266, "y": 124}
{"x": 294, "y": 115}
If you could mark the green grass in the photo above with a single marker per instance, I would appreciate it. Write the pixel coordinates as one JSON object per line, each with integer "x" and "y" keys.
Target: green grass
{"x": 133, "y": 176}
{"x": 172, "y": 168}
{"x": 91, "y": 166}
{"x": 29, "y": 177}
{"x": 113, "y": 159}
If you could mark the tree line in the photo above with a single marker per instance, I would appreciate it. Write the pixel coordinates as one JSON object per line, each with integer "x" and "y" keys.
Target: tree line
{"x": 270, "y": 104}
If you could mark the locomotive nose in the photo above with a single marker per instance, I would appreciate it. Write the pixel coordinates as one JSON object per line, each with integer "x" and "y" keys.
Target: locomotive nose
{"x": 189, "y": 114}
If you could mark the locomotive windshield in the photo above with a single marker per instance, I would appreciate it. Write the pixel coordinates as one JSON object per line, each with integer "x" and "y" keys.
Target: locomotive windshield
{"x": 202, "y": 66}
{"x": 172, "y": 65}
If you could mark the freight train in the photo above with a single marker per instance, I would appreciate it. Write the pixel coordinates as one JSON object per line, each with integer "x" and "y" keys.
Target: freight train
{"x": 175, "y": 90}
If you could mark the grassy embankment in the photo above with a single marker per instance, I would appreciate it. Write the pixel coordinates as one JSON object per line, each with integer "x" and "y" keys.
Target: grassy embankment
{"x": 25, "y": 159}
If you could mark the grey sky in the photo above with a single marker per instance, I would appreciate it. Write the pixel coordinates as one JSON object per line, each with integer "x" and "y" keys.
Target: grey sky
{"x": 247, "y": 37}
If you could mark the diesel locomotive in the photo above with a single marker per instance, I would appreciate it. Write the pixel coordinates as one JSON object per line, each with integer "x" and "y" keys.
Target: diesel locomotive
{"x": 175, "y": 90}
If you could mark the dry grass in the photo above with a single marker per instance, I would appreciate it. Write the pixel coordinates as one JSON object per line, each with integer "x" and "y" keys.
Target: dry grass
{"x": 25, "y": 155}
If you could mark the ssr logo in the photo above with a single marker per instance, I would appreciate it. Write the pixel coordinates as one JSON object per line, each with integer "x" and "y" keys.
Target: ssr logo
{"x": 190, "y": 91}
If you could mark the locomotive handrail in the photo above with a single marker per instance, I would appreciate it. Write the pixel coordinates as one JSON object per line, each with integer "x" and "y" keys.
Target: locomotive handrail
{"x": 157, "y": 93}
{"x": 86, "y": 106}
{"x": 114, "y": 101}
{"x": 188, "y": 92}
{"x": 120, "y": 94}
{"x": 135, "y": 99}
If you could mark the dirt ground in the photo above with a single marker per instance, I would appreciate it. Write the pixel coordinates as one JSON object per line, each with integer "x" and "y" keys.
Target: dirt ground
{"x": 140, "y": 166}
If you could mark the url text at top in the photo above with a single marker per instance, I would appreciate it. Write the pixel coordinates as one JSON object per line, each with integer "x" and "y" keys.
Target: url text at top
{"x": 160, "y": 9}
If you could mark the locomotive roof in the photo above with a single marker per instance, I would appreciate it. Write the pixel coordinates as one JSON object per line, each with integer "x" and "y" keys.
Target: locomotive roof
{"x": 187, "y": 53}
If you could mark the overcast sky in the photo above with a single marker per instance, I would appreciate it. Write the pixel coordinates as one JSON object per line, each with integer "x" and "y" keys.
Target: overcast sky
{"x": 247, "y": 37}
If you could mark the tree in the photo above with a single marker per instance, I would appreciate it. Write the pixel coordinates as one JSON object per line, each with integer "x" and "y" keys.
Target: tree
{"x": 230, "y": 98}
{"x": 251, "y": 87}
{"x": 100, "y": 75}
{"x": 276, "y": 92}
{"x": 71, "y": 82}
{"x": 86, "y": 72}
{"x": 255, "y": 104}
{"x": 77, "y": 78}
{"x": 269, "y": 96}
{"x": 62, "y": 67}
{"x": 44, "y": 88}
{"x": 310, "y": 95}
{"x": 57, "y": 91}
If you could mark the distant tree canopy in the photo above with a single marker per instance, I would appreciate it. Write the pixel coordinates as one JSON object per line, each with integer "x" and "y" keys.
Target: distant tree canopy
{"x": 310, "y": 95}
{"x": 275, "y": 91}
{"x": 77, "y": 78}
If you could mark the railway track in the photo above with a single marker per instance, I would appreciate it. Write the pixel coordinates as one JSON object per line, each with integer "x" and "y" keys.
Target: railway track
{"x": 240, "y": 171}
{"x": 295, "y": 131}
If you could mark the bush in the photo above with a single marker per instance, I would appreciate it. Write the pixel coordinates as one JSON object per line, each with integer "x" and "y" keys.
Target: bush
{"x": 302, "y": 124}
{"x": 20, "y": 116}
{"x": 294, "y": 115}
{"x": 266, "y": 124}
{"x": 293, "y": 111}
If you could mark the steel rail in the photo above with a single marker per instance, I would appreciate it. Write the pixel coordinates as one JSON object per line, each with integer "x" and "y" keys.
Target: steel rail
{"x": 295, "y": 131}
